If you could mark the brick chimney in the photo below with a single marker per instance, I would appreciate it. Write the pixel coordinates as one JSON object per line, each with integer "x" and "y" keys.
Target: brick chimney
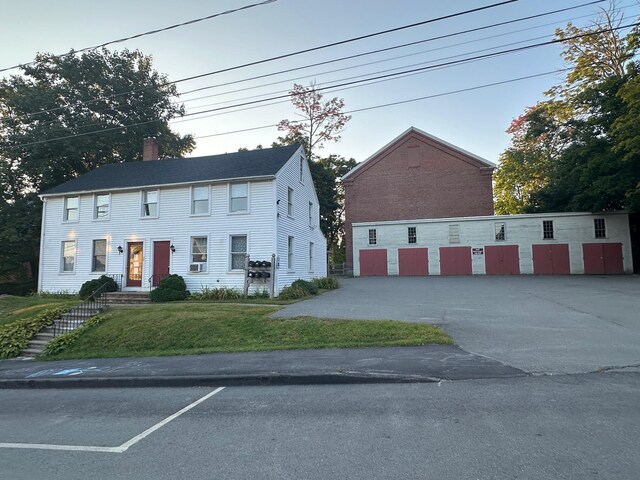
{"x": 150, "y": 149}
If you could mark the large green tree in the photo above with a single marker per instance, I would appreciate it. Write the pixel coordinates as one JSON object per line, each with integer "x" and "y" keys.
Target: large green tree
{"x": 66, "y": 115}
{"x": 575, "y": 150}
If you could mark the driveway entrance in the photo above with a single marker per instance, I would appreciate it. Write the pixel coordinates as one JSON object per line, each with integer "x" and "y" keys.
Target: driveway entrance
{"x": 550, "y": 324}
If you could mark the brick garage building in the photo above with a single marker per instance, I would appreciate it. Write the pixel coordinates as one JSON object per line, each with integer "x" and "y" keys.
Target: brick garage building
{"x": 543, "y": 244}
{"x": 416, "y": 176}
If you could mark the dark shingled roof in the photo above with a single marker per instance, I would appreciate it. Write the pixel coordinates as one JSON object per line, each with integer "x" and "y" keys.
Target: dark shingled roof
{"x": 255, "y": 163}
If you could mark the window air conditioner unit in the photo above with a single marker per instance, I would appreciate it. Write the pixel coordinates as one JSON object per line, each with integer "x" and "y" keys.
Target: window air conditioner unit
{"x": 197, "y": 267}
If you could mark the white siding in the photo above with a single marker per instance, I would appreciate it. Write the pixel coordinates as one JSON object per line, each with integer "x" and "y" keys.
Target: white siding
{"x": 573, "y": 229}
{"x": 174, "y": 223}
{"x": 298, "y": 226}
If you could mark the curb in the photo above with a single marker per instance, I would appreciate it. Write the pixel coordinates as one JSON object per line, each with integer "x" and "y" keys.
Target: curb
{"x": 211, "y": 381}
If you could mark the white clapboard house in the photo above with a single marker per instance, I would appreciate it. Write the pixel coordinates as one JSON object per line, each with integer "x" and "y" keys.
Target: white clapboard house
{"x": 196, "y": 217}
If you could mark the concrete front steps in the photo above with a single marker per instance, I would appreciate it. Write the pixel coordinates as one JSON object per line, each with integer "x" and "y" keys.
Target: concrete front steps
{"x": 127, "y": 298}
{"x": 71, "y": 320}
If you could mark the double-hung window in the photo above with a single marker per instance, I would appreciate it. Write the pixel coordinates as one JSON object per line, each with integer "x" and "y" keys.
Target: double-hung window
{"x": 500, "y": 230}
{"x": 101, "y": 209}
{"x": 198, "y": 254}
{"x": 373, "y": 236}
{"x": 600, "y": 228}
{"x": 150, "y": 203}
{"x": 99, "y": 257}
{"x": 454, "y": 233}
{"x": 200, "y": 200}
{"x": 290, "y": 202}
{"x": 412, "y": 236}
{"x": 68, "y": 256}
{"x": 547, "y": 229}
{"x": 71, "y": 208}
{"x": 239, "y": 197}
{"x": 238, "y": 251}
{"x": 290, "y": 254}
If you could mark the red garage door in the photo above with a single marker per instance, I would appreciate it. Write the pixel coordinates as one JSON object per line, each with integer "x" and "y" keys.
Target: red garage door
{"x": 551, "y": 259}
{"x": 373, "y": 263}
{"x": 413, "y": 261}
{"x": 455, "y": 261}
{"x": 502, "y": 260}
{"x": 602, "y": 258}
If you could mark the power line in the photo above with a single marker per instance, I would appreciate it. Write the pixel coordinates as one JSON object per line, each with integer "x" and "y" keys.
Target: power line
{"x": 453, "y": 62}
{"x": 150, "y": 32}
{"x": 386, "y": 49}
{"x": 358, "y": 55}
{"x": 373, "y": 62}
{"x": 296, "y": 53}
{"x": 384, "y": 105}
{"x": 490, "y": 55}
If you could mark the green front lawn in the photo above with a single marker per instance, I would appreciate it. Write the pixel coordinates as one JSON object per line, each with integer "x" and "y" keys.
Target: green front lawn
{"x": 193, "y": 328}
{"x": 14, "y": 308}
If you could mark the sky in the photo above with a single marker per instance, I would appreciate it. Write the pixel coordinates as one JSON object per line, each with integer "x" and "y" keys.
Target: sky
{"x": 474, "y": 120}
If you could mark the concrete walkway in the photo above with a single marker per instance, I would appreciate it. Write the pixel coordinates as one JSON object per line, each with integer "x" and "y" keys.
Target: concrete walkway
{"x": 564, "y": 324}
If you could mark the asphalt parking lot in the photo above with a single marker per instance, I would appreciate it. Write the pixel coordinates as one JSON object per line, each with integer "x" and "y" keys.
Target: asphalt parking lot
{"x": 563, "y": 324}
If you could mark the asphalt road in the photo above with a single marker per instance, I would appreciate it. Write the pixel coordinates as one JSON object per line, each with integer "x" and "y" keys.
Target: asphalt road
{"x": 546, "y": 427}
{"x": 564, "y": 324}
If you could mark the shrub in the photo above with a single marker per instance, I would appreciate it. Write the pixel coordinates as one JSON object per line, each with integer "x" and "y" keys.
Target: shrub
{"x": 91, "y": 286}
{"x": 264, "y": 293}
{"x": 170, "y": 289}
{"x": 59, "y": 294}
{"x": 220, "y": 293}
{"x": 15, "y": 336}
{"x": 293, "y": 293}
{"x": 326, "y": 283}
{"x": 310, "y": 287}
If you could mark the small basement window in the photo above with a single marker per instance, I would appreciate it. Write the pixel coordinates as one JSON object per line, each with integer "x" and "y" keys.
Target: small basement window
{"x": 600, "y": 228}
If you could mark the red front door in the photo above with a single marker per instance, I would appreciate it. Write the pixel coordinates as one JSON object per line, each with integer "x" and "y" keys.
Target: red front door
{"x": 134, "y": 264}
{"x": 413, "y": 262}
{"x": 373, "y": 263}
{"x": 161, "y": 258}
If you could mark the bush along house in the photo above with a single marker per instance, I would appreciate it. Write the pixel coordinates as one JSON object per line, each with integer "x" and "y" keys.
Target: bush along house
{"x": 196, "y": 217}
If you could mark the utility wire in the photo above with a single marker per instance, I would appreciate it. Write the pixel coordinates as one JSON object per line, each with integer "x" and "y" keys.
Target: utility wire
{"x": 151, "y": 32}
{"x": 490, "y": 55}
{"x": 366, "y": 63}
{"x": 352, "y": 56}
{"x": 289, "y": 80}
{"x": 386, "y": 49}
{"x": 420, "y": 69}
{"x": 384, "y": 105}
{"x": 298, "y": 52}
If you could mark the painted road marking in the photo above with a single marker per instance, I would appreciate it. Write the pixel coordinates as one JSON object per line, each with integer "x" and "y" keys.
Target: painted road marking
{"x": 120, "y": 449}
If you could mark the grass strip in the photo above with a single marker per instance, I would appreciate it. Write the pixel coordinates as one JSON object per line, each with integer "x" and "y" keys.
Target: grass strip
{"x": 188, "y": 328}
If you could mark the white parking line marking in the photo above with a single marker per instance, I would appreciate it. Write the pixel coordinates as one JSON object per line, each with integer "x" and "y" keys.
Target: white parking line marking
{"x": 161, "y": 424}
{"x": 122, "y": 448}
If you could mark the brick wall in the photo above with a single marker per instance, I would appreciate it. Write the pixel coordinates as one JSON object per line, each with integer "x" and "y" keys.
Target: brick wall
{"x": 416, "y": 177}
